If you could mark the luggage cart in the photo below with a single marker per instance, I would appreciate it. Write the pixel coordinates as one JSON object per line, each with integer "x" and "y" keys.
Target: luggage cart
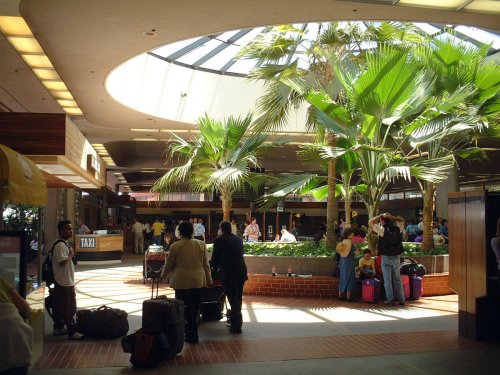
{"x": 154, "y": 261}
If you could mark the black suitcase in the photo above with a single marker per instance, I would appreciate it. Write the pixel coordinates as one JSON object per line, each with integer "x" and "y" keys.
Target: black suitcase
{"x": 212, "y": 303}
{"x": 210, "y": 311}
{"x": 165, "y": 315}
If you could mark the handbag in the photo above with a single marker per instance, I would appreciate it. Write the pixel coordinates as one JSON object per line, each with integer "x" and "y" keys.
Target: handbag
{"x": 104, "y": 322}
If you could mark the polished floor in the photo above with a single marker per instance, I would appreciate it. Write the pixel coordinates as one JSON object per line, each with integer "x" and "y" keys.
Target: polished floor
{"x": 280, "y": 335}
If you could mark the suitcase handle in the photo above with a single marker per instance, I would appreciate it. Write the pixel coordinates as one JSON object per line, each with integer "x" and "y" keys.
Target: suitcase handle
{"x": 156, "y": 276}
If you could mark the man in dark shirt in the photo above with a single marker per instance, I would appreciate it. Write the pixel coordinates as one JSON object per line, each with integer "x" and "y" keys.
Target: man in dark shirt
{"x": 228, "y": 256}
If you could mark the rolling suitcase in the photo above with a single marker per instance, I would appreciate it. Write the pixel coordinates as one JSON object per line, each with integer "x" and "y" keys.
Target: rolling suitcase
{"x": 165, "y": 315}
{"x": 416, "y": 289}
{"x": 405, "y": 280}
{"x": 370, "y": 290}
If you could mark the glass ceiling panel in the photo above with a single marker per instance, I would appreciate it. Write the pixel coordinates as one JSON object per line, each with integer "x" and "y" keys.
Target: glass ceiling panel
{"x": 222, "y": 58}
{"x": 196, "y": 54}
{"x": 216, "y": 53}
{"x": 429, "y": 29}
{"x": 168, "y": 49}
{"x": 480, "y": 35}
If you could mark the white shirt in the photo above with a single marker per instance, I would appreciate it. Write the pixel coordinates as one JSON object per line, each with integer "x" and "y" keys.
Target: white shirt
{"x": 287, "y": 237}
{"x": 64, "y": 275}
{"x": 199, "y": 229}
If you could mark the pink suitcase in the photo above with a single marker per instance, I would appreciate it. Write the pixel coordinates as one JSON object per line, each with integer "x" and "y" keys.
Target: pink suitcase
{"x": 405, "y": 279}
{"x": 370, "y": 290}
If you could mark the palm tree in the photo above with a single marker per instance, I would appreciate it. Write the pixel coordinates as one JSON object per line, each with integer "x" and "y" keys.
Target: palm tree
{"x": 468, "y": 82}
{"x": 219, "y": 159}
{"x": 388, "y": 90}
{"x": 277, "y": 51}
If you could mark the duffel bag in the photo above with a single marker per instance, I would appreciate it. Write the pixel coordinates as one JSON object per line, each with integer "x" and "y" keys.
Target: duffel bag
{"x": 411, "y": 267}
{"x": 104, "y": 322}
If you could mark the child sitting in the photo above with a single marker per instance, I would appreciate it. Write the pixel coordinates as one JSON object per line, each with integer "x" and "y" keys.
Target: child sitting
{"x": 367, "y": 265}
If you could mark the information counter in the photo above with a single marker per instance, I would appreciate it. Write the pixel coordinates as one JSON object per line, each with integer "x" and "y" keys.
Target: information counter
{"x": 99, "y": 248}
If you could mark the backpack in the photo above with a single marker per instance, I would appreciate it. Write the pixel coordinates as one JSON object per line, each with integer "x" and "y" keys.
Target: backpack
{"x": 47, "y": 269}
{"x": 391, "y": 243}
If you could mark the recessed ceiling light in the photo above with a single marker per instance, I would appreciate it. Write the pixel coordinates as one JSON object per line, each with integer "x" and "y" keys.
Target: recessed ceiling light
{"x": 150, "y": 33}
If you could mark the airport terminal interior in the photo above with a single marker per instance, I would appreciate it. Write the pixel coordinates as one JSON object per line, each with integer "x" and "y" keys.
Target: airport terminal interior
{"x": 93, "y": 94}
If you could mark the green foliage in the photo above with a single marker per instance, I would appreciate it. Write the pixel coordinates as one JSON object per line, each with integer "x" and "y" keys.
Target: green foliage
{"x": 310, "y": 249}
{"x": 291, "y": 249}
{"x": 21, "y": 217}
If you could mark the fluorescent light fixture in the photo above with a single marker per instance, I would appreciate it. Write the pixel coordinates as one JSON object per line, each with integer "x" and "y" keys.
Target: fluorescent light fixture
{"x": 54, "y": 85}
{"x": 146, "y": 139}
{"x": 37, "y": 61}
{"x": 446, "y": 4}
{"x": 67, "y": 103}
{"x": 174, "y": 131}
{"x": 10, "y": 25}
{"x": 22, "y": 39}
{"x": 25, "y": 44}
{"x": 488, "y": 6}
{"x": 145, "y": 130}
{"x": 144, "y": 171}
{"x": 48, "y": 74}
{"x": 73, "y": 111}
{"x": 61, "y": 95}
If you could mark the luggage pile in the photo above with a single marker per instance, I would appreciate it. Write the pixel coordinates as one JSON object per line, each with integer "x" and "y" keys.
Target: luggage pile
{"x": 162, "y": 333}
{"x": 411, "y": 278}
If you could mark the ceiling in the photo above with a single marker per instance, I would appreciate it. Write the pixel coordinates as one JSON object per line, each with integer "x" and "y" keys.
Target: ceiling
{"x": 87, "y": 40}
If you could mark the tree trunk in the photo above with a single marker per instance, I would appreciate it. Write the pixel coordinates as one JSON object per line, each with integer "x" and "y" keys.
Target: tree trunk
{"x": 227, "y": 203}
{"x": 428, "y": 241}
{"x": 371, "y": 236}
{"x": 347, "y": 211}
{"x": 331, "y": 210}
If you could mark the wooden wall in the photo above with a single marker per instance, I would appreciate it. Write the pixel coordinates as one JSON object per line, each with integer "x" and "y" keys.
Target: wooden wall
{"x": 468, "y": 261}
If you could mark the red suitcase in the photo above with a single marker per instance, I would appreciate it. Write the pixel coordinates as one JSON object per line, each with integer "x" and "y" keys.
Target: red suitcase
{"x": 405, "y": 280}
{"x": 370, "y": 290}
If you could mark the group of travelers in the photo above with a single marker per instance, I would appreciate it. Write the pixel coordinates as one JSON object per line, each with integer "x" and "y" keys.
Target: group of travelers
{"x": 190, "y": 272}
{"x": 414, "y": 231}
{"x": 159, "y": 233}
{"x": 389, "y": 231}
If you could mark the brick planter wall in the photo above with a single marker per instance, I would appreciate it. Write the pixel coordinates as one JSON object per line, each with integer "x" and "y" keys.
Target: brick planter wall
{"x": 324, "y": 286}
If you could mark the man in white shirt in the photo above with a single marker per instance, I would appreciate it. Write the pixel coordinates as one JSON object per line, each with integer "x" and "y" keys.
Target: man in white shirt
{"x": 137, "y": 229}
{"x": 64, "y": 274}
{"x": 199, "y": 230}
{"x": 286, "y": 236}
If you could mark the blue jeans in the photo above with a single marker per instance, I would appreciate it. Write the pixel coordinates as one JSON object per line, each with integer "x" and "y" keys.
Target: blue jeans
{"x": 392, "y": 277}
{"x": 157, "y": 240}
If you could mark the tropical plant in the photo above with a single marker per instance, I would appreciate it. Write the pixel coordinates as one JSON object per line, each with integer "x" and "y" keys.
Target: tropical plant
{"x": 285, "y": 50}
{"x": 219, "y": 159}
{"x": 469, "y": 83}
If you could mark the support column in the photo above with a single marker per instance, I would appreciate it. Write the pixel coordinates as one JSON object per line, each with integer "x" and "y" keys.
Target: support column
{"x": 442, "y": 190}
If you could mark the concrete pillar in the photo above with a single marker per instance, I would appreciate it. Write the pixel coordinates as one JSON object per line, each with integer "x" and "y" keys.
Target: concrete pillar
{"x": 442, "y": 190}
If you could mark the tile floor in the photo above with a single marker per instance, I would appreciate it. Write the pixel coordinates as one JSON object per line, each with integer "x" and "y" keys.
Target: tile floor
{"x": 281, "y": 335}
